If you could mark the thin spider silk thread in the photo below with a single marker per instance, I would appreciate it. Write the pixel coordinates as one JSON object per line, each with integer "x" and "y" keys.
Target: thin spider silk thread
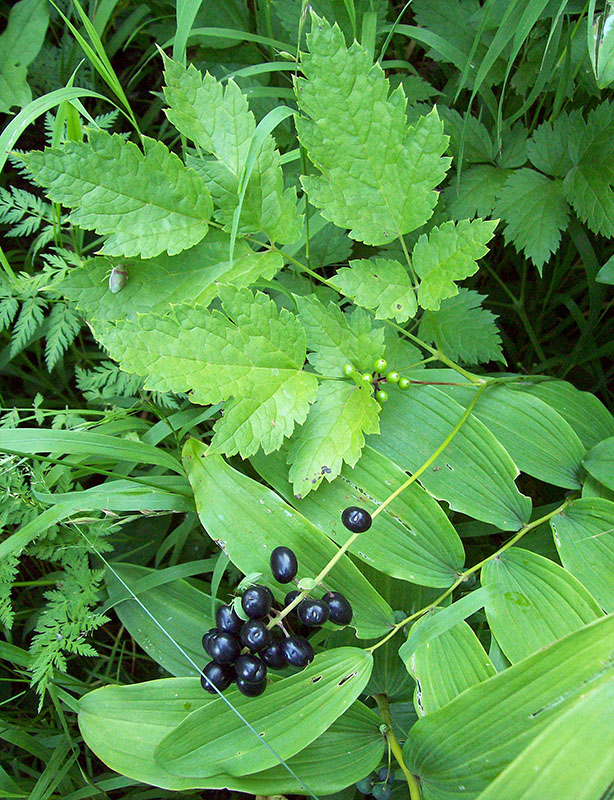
{"x": 196, "y": 667}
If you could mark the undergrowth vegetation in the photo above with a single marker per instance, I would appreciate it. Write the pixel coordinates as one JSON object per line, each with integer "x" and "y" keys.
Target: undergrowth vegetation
{"x": 334, "y": 277}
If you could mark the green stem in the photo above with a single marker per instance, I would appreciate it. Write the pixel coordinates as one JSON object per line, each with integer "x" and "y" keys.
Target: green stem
{"x": 475, "y": 568}
{"x": 393, "y": 742}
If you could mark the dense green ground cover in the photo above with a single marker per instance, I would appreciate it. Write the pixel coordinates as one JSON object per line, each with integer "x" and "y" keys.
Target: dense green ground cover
{"x": 262, "y": 261}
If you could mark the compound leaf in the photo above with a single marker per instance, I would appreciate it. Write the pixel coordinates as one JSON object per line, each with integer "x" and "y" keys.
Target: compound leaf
{"x": 382, "y": 285}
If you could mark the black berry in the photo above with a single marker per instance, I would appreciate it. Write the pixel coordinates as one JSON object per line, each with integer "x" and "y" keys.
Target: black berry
{"x": 257, "y": 601}
{"x": 250, "y": 689}
{"x": 216, "y": 675}
{"x": 284, "y": 565}
{"x": 224, "y": 648}
{"x": 365, "y": 785}
{"x": 384, "y": 775}
{"x": 339, "y": 608}
{"x": 355, "y": 519}
{"x": 255, "y": 635}
{"x": 228, "y": 620}
{"x": 382, "y": 791}
{"x": 207, "y": 638}
{"x": 297, "y": 651}
{"x": 312, "y": 613}
{"x": 290, "y": 597}
{"x": 273, "y": 656}
{"x": 250, "y": 669}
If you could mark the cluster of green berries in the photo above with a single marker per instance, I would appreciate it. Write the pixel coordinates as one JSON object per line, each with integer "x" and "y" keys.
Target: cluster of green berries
{"x": 378, "y": 377}
{"x": 242, "y": 650}
{"x": 378, "y": 784}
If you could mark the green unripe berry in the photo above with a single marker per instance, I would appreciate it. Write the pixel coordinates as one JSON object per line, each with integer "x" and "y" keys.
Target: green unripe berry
{"x": 393, "y": 377}
{"x": 348, "y": 370}
{"x": 381, "y": 396}
{"x": 404, "y": 383}
{"x": 380, "y": 365}
{"x": 367, "y": 377}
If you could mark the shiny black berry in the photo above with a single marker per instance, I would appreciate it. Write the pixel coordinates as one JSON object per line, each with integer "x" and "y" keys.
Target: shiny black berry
{"x": 382, "y": 791}
{"x": 297, "y": 651}
{"x": 250, "y": 669}
{"x": 224, "y": 648}
{"x": 273, "y": 656}
{"x": 216, "y": 675}
{"x": 339, "y": 608}
{"x": 228, "y": 620}
{"x": 255, "y": 635}
{"x": 355, "y": 519}
{"x": 207, "y": 638}
{"x": 312, "y": 613}
{"x": 284, "y": 565}
{"x": 250, "y": 689}
{"x": 365, "y": 785}
{"x": 290, "y": 597}
{"x": 385, "y": 775}
{"x": 257, "y": 601}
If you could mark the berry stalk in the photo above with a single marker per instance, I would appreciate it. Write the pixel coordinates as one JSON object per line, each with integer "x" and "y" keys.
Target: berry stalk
{"x": 393, "y": 742}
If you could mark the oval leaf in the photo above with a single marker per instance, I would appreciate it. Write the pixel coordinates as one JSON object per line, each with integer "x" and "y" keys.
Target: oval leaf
{"x": 532, "y": 601}
{"x": 248, "y": 521}
{"x": 600, "y": 462}
{"x": 289, "y": 715}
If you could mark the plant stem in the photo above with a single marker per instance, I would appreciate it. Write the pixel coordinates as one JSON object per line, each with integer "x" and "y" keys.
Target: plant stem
{"x": 475, "y": 568}
{"x": 384, "y": 710}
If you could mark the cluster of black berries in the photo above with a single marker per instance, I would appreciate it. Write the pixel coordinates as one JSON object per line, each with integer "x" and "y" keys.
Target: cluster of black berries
{"x": 243, "y": 650}
{"x": 378, "y": 784}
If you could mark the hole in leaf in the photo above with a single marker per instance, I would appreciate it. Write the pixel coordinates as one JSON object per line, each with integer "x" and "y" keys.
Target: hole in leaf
{"x": 347, "y": 678}
{"x": 316, "y": 679}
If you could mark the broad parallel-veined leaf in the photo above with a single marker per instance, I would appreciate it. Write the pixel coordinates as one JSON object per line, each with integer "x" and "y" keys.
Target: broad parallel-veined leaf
{"x": 571, "y": 758}
{"x": 584, "y": 537}
{"x": 381, "y": 284}
{"x": 148, "y": 202}
{"x": 606, "y": 273}
{"x": 462, "y": 329}
{"x": 333, "y": 434}
{"x": 218, "y": 120}
{"x": 192, "y": 276}
{"x": 535, "y": 212}
{"x": 474, "y": 474}
{"x": 411, "y": 539}
{"x": 20, "y": 42}
{"x": 600, "y": 462}
{"x": 378, "y": 173}
{"x": 459, "y": 749}
{"x": 446, "y": 665}
{"x": 213, "y": 739}
{"x": 446, "y": 254}
{"x": 532, "y": 602}
{"x": 254, "y": 355}
{"x": 586, "y": 414}
{"x": 123, "y": 725}
{"x": 248, "y": 521}
{"x": 182, "y": 610}
{"x": 336, "y": 338}
{"x": 540, "y": 441}
{"x": 592, "y": 488}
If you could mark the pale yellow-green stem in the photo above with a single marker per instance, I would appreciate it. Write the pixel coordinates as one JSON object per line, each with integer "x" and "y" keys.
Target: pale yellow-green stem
{"x": 384, "y": 710}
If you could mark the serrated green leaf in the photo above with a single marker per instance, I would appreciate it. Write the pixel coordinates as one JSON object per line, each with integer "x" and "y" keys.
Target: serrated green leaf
{"x": 270, "y": 522}
{"x": 123, "y": 725}
{"x": 255, "y": 356}
{"x": 570, "y": 758}
{"x": 476, "y": 194}
{"x": 584, "y": 537}
{"x": 219, "y": 121}
{"x": 382, "y": 285}
{"x": 463, "y": 330}
{"x": 548, "y": 146}
{"x": 148, "y": 202}
{"x": 535, "y": 213}
{"x": 589, "y": 185}
{"x": 447, "y": 254}
{"x": 213, "y": 739}
{"x": 332, "y": 435}
{"x": 474, "y": 474}
{"x": 412, "y": 540}
{"x": 349, "y": 118}
{"x": 532, "y": 602}
{"x": 192, "y": 276}
{"x": 600, "y": 462}
{"x": 459, "y": 749}
{"x": 446, "y": 665}
{"x": 182, "y": 609}
{"x": 337, "y": 339}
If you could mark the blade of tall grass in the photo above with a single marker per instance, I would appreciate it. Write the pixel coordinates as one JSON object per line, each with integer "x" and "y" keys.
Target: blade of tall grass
{"x": 186, "y": 14}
